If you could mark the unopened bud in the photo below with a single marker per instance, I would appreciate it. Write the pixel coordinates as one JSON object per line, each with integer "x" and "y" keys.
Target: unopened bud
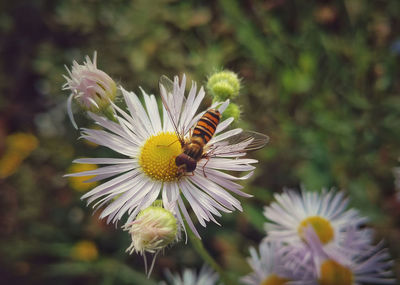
{"x": 233, "y": 110}
{"x": 153, "y": 229}
{"x": 223, "y": 85}
{"x": 91, "y": 87}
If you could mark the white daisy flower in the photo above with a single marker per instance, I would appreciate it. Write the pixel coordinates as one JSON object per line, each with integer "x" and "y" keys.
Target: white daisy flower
{"x": 150, "y": 143}
{"x": 91, "y": 87}
{"x": 270, "y": 268}
{"x": 300, "y": 256}
{"x": 206, "y": 276}
{"x": 327, "y": 213}
{"x": 370, "y": 266}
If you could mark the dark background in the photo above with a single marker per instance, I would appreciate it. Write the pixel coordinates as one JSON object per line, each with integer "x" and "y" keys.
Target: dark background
{"x": 321, "y": 78}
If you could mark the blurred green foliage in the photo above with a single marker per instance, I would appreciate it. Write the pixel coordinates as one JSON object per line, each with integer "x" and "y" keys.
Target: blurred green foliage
{"x": 321, "y": 78}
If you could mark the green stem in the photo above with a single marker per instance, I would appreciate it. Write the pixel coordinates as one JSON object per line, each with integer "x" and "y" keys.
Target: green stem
{"x": 199, "y": 247}
{"x": 109, "y": 113}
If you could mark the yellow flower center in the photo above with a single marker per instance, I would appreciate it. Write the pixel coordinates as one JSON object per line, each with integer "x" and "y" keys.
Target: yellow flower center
{"x": 274, "y": 279}
{"x": 157, "y": 156}
{"x": 333, "y": 273}
{"x": 322, "y": 228}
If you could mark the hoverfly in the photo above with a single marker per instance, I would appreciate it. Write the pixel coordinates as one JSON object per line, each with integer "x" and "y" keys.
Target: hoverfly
{"x": 201, "y": 144}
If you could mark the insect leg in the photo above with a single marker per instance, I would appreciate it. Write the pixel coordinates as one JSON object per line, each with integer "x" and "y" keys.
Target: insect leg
{"x": 160, "y": 145}
{"x": 207, "y": 156}
{"x": 191, "y": 174}
{"x": 204, "y": 172}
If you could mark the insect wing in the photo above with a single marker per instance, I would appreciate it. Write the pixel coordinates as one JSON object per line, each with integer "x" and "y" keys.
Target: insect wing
{"x": 238, "y": 144}
{"x": 169, "y": 103}
{"x": 258, "y": 140}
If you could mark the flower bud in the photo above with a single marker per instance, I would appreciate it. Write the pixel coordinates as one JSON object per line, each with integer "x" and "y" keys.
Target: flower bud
{"x": 153, "y": 229}
{"x": 233, "y": 110}
{"x": 91, "y": 87}
{"x": 223, "y": 85}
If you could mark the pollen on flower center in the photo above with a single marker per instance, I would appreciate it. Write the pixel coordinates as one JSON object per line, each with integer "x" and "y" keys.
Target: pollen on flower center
{"x": 333, "y": 273}
{"x": 157, "y": 156}
{"x": 321, "y": 226}
{"x": 274, "y": 279}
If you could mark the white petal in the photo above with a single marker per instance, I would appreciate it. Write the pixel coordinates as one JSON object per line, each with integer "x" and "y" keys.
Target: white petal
{"x": 69, "y": 111}
{"x": 215, "y": 191}
{"x": 223, "y": 125}
{"x": 187, "y": 217}
{"x": 112, "y": 126}
{"x": 193, "y": 109}
{"x": 137, "y": 111}
{"x": 111, "y": 184}
{"x": 225, "y": 135}
{"x": 225, "y": 183}
{"x": 103, "y": 170}
{"x": 152, "y": 110}
{"x": 228, "y": 164}
{"x": 197, "y": 209}
{"x": 105, "y": 160}
{"x": 114, "y": 142}
{"x": 224, "y": 105}
{"x": 130, "y": 197}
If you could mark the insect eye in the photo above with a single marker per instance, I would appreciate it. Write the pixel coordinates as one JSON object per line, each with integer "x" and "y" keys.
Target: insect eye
{"x": 191, "y": 165}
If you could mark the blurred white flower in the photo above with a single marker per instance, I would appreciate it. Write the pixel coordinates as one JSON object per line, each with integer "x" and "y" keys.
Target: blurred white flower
{"x": 370, "y": 266}
{"x": 269, "y": 268}
{"x": 206, "y": 276}
{"x": 327, "y": 213}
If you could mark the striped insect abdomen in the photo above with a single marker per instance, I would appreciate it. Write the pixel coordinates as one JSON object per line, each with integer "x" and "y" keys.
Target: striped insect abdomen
{"x": 205, "y": 127}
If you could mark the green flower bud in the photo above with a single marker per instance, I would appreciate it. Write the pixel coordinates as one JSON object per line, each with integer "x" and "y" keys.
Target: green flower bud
{"x": 223, "y": 85}
{"x": 233, "y": 110}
